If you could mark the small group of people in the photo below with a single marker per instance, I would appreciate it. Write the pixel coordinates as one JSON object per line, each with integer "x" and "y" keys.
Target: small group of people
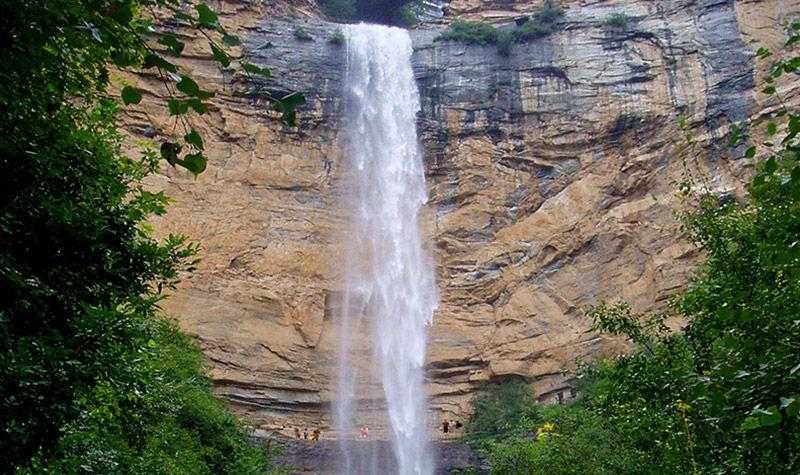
{"x": 447, "y": 426}
{"x": 314, "y": 434}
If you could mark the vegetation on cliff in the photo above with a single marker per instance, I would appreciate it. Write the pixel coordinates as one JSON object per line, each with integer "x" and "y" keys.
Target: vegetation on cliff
{"x": 543, "y": 23}
{"x": 92, "y": 378}
{"x": 723, "y": 396}
{"x": 373, "y": 11}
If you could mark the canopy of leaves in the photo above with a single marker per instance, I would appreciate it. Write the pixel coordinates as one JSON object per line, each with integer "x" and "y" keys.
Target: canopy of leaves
{"x": 92, "y": 380}
{"x": 723, "y": 396}
{"x": 372, "y": 11}
{"x": 543, "y": 23}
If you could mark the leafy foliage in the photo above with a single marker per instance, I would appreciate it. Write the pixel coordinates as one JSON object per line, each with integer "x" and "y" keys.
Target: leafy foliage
{"x": 470, "y": 32}
{"x": 409, "y": 15}
{"x": 337, "y": 38}
{"x": 91, "y": 378}
{"x": 543, "y": 23}
{"x": 373, "y": 11}
{"x": 724, "y": 395}
{"x": 503, "y": 409}
{"x": 617, "y": 21}
{"x": 301, "y": 34}
{"x": 342, "y": 10}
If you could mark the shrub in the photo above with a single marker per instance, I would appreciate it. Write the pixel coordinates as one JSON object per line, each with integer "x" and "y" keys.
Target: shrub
{"x": 337, "y": 37}
{"x": 541, "y": 24}
{"x": 301, "y": 34}
{"x": 92, "y": 380}
{"x": 550, "y": 13}
{"x": 408, "y": 15}
{"x": 470, "y": 32}
{"x": 573, "y": 440}
{"x": 343, "y": 10}
{"x": 503, "y": 409}
{"x": 617, "y": 21}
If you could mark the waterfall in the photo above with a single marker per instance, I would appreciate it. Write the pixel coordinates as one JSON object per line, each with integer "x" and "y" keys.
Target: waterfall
{"x": 389, "y": 286}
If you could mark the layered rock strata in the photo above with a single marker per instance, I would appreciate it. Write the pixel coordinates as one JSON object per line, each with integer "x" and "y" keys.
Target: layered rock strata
{"x": 552, "y": 176}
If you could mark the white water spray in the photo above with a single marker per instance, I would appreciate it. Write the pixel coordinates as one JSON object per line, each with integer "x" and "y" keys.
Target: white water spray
{"x": 389, "y": 282}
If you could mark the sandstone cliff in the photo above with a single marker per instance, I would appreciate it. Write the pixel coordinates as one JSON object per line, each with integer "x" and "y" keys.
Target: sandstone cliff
{"x": 551, "y": 174}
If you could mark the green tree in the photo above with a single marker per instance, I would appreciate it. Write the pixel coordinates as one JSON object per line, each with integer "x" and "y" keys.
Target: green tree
{"x": 86, "y": 379}
{"x": 724, "y": 395}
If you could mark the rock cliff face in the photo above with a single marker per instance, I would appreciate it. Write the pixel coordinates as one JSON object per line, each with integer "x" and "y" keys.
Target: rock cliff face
{"x": 551, "y": 174}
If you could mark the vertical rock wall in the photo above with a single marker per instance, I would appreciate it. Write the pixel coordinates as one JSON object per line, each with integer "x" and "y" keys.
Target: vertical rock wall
{"x": 551, "y": 174}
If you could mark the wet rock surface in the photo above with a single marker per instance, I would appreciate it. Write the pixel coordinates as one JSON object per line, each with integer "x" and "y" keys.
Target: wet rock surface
{"x": 306, "y": 457}
{"x": 551, "y": 176}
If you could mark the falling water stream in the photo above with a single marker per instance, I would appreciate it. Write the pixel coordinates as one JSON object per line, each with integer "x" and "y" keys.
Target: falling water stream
{"x": 389, "y": 286}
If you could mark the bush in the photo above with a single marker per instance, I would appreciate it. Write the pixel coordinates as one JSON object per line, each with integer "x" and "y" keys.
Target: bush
{"x": 155, "y": 415}
{"x": 617, "y": 21}
{"x": 543, "y": 23}
{"x": 343, "y": 10}
{"x": 573, "y": 440}
{"x": 502, "y": 409}
{"x": 550, "y": 13}
{"x": 408, "y": 16}
{"x": 301, "y": 34}
{"x": 337, "y": 37}
{"x": 724, "y": 396}
{"x": 92, "y": 379}
{"x": 470, "y": 32}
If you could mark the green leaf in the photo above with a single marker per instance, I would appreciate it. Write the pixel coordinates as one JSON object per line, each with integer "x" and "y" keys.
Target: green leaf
{"x": 770, "y": 166}
{"x": 286, "y": 106}
{"x": 207, "y": 17}
{"x": 188, "y": 86}
{"x": 763, "y": 53}
{"x": 769, "y": 90}
{"x": 736, "y": 136}
{"x": 293, "y": 100}
{"x": 172, "y": 43}
{"x": 152, "y": 343}
{"x": 750, "y": 423}
{"x": 768, "y": 417}
{"x": 170, "y": 151}
{"x": 195, "y": 163}
{"x": 772, "y": 128}
{"x": 131, "y": 95}
{"x": 790, "y": 405}
{"x": 177, "y": 106}
{"x": 219, "y": 55}
{"x": 194, "y": 139}
{"x": 153, "y": 60}
{"x": 231, "y": 40}
{"x": 122, "y": 13}
{"x": 751, "y": 152}
{"x": 253, "y": 69}
{"x": 199, "y": 106}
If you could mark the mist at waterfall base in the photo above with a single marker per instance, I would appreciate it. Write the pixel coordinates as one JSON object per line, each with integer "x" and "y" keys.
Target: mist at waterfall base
{"x": 389, "y": 289}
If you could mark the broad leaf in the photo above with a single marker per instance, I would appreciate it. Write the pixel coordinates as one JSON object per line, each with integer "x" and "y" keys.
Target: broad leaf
{"x": 194, "y": 139}
{"x": 170, "y": 151}
{"x": 207, "y": 17}
{"x": 131, "y": 95}
{"x": 219, "y": 55}
{"x": 195, "y": 163}
{"x": 172, "y": 43}
{"x": 253, "y": 69}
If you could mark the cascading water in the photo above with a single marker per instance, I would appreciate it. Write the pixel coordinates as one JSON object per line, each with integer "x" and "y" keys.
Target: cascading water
{"x": 389, "y": 282}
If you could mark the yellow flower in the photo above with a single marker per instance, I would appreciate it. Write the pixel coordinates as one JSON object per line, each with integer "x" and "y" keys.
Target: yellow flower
{"x": 544, "y": 429}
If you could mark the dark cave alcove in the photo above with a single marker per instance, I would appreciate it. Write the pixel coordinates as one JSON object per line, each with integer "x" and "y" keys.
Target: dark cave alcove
{"x": 385, "y": 12}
